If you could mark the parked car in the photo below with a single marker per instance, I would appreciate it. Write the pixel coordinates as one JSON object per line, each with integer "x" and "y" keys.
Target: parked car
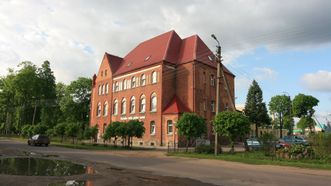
{"x": 39, "y": 140}
{"x": 252, "y": 144}
{"x": 287, "y": 141}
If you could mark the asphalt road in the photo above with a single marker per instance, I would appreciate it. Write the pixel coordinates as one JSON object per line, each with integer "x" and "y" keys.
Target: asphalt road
{"x": 207, "y": 171}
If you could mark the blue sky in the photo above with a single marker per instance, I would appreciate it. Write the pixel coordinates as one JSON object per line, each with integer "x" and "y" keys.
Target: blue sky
{"x": 286, "y": 47}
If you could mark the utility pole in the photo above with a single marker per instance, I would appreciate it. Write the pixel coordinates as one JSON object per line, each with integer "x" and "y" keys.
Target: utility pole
{"x": 218, "y": 61}
{"x": 220, "y": 73}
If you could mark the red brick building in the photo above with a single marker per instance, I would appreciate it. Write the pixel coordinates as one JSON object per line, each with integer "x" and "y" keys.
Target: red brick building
{"x": 156, "y": 82}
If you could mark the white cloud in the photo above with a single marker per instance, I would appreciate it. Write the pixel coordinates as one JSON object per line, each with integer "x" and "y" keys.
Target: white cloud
{"x": 73, "y": 35}
{"x": 265, "y": 73}
{"x": 318, "y": 81}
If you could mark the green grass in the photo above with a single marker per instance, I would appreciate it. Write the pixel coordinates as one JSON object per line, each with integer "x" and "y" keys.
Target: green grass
{"x": 258, "y": 158}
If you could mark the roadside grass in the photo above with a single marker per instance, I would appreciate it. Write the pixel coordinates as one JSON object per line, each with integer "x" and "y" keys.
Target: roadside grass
{"x": 258, "y": 158}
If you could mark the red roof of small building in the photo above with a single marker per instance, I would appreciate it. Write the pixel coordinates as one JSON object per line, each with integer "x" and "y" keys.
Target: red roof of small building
{"x": 167, "y": 47}
{"x": 175, "y": 107}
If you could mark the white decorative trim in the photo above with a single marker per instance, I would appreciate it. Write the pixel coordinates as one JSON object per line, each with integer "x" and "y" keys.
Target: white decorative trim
{"x": 140, "y": 71}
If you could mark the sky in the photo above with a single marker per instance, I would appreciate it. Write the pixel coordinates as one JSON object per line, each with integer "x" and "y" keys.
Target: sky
{"x": 284, "y": 45}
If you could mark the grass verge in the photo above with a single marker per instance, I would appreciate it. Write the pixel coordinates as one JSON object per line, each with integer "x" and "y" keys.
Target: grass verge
{"x": 258, "y": 158}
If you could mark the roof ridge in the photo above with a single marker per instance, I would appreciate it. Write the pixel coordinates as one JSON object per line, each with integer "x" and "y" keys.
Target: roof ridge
{"x": 195, "y": 47}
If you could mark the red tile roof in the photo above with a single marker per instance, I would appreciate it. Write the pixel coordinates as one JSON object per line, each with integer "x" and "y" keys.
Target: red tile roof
{"x": 175, "y": 107}
{"x": 165, "y": 47}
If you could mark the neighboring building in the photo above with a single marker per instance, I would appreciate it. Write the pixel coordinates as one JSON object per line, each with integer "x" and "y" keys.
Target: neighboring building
{"x": 156, "y": 82}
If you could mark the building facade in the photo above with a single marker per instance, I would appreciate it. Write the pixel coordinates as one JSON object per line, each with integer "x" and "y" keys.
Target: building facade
{"x": 155, "y": 83}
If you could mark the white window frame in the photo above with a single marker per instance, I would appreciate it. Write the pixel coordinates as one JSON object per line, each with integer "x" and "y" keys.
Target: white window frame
{"x": 133, "y": 82}
{"x": 115, "y": 111}
{"x": 152, "y": 128}
{"x": 143, "y": 80}
{"x": 170, "y": 123}
{"x": 154, "y": 77}
{"x": 105, "y": 109}
{"x": 153, "y": 105}
{"x": 132, "y": 105}
{"x": 99, "y": 109}
{"x": 123, "y": 106}
{"x": 142, "y": 104}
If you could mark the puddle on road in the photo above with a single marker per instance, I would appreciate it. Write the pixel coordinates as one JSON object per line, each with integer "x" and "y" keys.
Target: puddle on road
{"x": 41, "y": 167}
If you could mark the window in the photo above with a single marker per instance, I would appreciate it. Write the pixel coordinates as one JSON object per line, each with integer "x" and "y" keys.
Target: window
{"x": 103, "y": 89}
{"x": 152, "y": 128}
{"x": 116, "y": 86}
{"x": 212, "y": 80}
{"x": 124, "y": 84}
{"x": 204, "y": 77}
{"x": 99, "y": 109}
{"x": 212, "y": 106}
{"x": 105, "y": 72}
{"x": 123, "y": 107}
{"x": 153, "y": 102}
{"x": 143, "y": 80}
{"x": 169, "y": 127}
{"x": 99, "y": 91}
{"x": 105, "y": 109}
{"x": 133, "y": 82}
{"x": 101, "y": 73}
{"x": 154, "y": 77}
{"x": 142, "y": 105}
{"x": 132, "y": 105}
{"x": 115, "y": 111}
{"x": 107, "y": 88}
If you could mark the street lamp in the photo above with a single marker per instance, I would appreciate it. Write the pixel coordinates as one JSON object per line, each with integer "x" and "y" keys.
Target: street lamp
{"x": 218, "y": 60}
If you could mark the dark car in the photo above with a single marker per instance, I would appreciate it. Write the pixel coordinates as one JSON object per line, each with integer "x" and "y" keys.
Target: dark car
{"x": 287, "y": 141}
{"x": 39, "y": 140}
{"x": 252, "y": 144}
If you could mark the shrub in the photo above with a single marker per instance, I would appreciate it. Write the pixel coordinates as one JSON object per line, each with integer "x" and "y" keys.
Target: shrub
{"x": 321, "y": 144}
{"x": 268, "y": 143}
{"x": 204, "y": 149}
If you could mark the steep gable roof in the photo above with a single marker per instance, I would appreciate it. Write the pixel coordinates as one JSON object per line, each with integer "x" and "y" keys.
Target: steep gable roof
{"x": 175, "y": 107}
{"x": 165, "y": 47}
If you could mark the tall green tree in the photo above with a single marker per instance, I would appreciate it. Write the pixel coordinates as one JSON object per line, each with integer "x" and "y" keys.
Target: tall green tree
{"x": 255, "y": 108}
{"x": 191, "y": 126}
{"x": 232, "y": 124}
{"x": 303, "y": 107}
{"x": 280, "y": 106}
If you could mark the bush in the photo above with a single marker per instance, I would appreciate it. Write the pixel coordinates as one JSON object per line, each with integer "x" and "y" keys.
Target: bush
{"x": 321, "y": 144}
{"x": 204, "y": 149}
{"x": 268, "y": 143}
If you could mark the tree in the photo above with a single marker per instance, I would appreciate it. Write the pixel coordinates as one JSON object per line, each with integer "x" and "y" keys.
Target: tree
{"x": 135, "y": 128}
{"x": 40, "y": 129}
{"x": 280, "y": 105}
{"x": 72, "y": 131}
{"x": 255, "y": 108}
{"x": 191, "y": 126}
{"x": 303, "y": 107}
{"x": 305, "y": 122}
{"x": 232, "y": 124}
{"x": 112, "y": 131}
{"x": 60, "y": 130}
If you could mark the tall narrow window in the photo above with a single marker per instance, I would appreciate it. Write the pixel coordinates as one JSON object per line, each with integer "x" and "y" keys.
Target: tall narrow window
{"x": 133, "y": 82}
{"x": 107, "y": 88}
{"x": 99, "y": 91}
{"x": 142, "y": 105}
{"x": 105, "y": 72}
{"x": 115, "y": 107}
{"x": 123, "y": 107}
{"x": 103, "y": 89}
{"x": 143, "y": 80}
{"x": 212, "y": 80}
{"x": 169, "y": 127}
{"x": 152, "y": 128}
{"x": 212, "y": 105}
{"x": 153, "y": 102}
{"x": 105, "y": 109}
{"x": 154, "y": 77}
{"x": 99, "y": 109}
{"x": 124, "y": 84}
{"x": 116, "y": 86}
{"x": 101, "y": 73}
{"x": 132, "y": 105}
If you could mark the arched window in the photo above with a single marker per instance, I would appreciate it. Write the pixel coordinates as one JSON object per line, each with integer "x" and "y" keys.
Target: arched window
{"x": 103, "y": 89}
{"x": 116, "y": 86}
{"x": 105, "y": 109}
{"x": 99, "y": 90}
{"x": 143, "y": 80}
{"x": 153, "y": 102}
{"x": 133, "y": 82}
{"x": 132, "y": 105}
{"x": 123, "y": 106}
{"x": 152, "y": 128}
{"x": 169, "y": 127}
{"x": 115, "y": 108}
{"x": 107, "y": 88}
{"x": 124, "y": 84}
{"x": 142, "y": 104}
{"x": 99, "y": 109}
{"x": 154, "y": 77}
